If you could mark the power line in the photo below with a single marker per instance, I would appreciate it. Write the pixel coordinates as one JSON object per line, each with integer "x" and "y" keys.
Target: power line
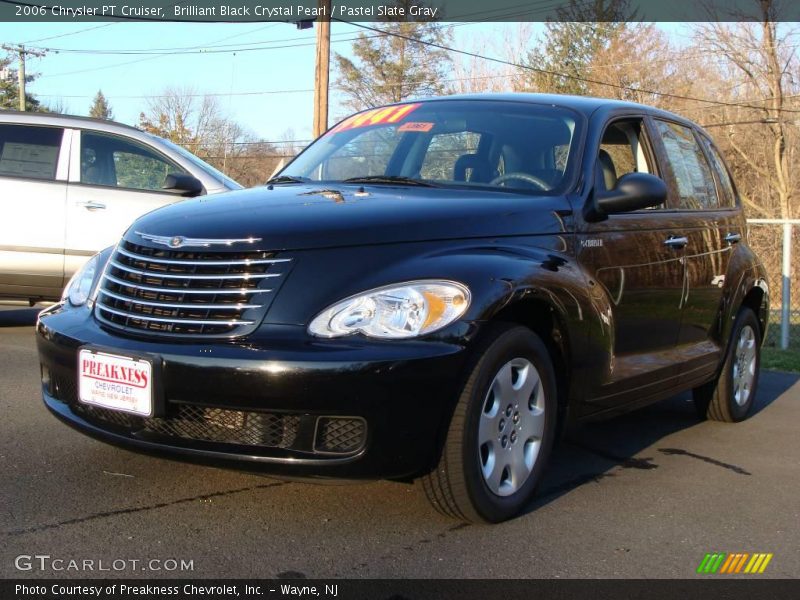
{"x": 112, "y": 96}
{"x": 238, "y": 47}
{"x": 557, "y": 74}
{"x": 160, "y": 55}
{"x": 53, "y": 37}
{"x": 751, "y": 122}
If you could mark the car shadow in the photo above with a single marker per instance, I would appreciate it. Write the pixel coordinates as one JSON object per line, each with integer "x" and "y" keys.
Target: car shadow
{"x": 599, "y": 450}
{"x": 19, "y": 317}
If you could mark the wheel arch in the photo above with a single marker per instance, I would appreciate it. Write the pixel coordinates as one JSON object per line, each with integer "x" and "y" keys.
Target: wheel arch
{"x": 544, "y": 320}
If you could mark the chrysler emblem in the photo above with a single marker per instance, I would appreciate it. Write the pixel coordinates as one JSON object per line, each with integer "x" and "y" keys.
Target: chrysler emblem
{"x": 179, "y": 241}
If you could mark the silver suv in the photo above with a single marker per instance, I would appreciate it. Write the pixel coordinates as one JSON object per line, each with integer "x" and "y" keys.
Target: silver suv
{"x": 70, "y": 186}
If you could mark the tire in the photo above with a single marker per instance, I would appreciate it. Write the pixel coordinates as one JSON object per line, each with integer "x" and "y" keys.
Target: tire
{"x": 502, "y": 430}
{"x": 731, "y": 397}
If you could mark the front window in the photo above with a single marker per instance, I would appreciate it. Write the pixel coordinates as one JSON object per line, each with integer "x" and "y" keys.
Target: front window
{"x": 500, "y": 145}
{"x": 198, "y": 162}
{"x": 111, "y": 160}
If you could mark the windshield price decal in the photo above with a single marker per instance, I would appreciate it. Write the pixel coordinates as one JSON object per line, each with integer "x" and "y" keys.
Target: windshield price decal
{"x": 376, "y": 116}
{"x": 415, "y": 126}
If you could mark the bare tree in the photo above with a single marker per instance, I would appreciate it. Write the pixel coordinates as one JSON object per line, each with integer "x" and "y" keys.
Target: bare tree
{"x": 764, "y": 65}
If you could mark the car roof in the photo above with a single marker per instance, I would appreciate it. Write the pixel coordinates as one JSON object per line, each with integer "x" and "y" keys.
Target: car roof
{"x": 586, "y": 105}
{"x": 73, "y": 121}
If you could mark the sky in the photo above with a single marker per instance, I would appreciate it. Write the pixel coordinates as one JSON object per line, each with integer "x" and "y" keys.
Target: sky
{"x": 268, "y": 92}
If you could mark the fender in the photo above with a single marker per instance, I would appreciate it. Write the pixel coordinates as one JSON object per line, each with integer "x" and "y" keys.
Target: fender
{"x": 751, "y": 275}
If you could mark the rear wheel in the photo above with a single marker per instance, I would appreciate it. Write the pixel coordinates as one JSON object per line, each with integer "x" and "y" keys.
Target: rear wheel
{"x": 501, "y": 432}
{"x": 731, "y": 397}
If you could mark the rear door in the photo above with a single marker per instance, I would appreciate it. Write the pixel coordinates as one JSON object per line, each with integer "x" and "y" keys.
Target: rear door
{"x": 113, "y": 181}
{"x": 705, "y": 209}
{"x": 33, "y": 192}
{"x": 637, "y": 258}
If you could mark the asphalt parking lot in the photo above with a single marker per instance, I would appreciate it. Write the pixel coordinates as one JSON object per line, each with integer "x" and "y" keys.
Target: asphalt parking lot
{"x": 644, "y": 495}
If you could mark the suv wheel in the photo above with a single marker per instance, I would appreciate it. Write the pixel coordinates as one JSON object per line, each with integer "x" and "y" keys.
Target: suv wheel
{"x": 731, "y": 397}
{"x": 501, "y": 432}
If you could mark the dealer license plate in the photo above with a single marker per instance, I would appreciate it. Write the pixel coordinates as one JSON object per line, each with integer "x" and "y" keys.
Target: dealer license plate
{"x": 116, "y": 382}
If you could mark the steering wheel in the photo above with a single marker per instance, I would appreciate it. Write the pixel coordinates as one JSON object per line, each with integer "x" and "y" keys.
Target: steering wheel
{"x": 540, "y": 183}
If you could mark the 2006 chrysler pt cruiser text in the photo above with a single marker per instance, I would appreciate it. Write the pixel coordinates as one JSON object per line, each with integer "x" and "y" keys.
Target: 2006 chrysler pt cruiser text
{"x": 432, "y": 289}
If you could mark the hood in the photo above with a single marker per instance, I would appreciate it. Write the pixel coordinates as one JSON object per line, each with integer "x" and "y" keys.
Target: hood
{"x": 300, "y": 216}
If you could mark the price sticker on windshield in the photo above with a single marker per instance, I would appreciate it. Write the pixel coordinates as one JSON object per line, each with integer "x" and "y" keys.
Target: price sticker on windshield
{"x": 376, "y": 116}
{"x": 416, "y": 126}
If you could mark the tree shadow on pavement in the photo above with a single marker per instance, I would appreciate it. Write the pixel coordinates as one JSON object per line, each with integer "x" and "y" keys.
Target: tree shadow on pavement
{"x": 599, "y": 450}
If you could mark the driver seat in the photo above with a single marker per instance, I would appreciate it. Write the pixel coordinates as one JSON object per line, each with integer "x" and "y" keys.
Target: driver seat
{"x": 480, "y": 169}
{"x": 606, "y": 171}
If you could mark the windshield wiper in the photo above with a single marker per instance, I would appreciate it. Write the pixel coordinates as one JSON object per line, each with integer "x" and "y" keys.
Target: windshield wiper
{"x": 390, "y": 179}
{"x": 288, "y": 179}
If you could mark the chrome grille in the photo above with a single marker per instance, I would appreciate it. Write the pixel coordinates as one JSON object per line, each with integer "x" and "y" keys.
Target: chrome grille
{"x": 187, "y": 293}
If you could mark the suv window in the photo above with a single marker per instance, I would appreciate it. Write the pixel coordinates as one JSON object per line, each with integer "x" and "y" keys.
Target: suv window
{"x": 31, "y": 152}
{"x": 727, "y": 195}
{"x": 622, "y": 151}
{"x": 690, "y": 170}
{"x": 118, "y": 162}
{"x": 458, "y": 143}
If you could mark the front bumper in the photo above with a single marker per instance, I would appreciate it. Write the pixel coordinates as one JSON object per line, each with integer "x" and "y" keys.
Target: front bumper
{"x": 276, "y": 401}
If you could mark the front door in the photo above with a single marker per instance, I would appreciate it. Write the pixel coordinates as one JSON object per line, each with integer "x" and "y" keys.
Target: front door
{"x": 115, "y": 181}
{"x": 638, "y": 260}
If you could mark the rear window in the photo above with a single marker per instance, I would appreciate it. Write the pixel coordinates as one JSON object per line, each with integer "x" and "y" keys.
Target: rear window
{"x": 498, "y": 145}
{"x": 30, "y": 152}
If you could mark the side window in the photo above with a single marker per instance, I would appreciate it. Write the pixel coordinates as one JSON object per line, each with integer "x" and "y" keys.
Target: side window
{"x": 622, "y": 151}
{"x": 31, "y": 152}
{"x": 692, "y": 174}
{"x": 443, "y": 154}
{"x": 117, "y": 162}
{"x": 727, "y": 193}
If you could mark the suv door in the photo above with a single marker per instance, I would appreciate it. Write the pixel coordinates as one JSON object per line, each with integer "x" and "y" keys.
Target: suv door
{"x": 33, "y": 194}
{"x": 113, "y": 181}
{"x": 711, "y": 223}
{"x": 638, "y": 262}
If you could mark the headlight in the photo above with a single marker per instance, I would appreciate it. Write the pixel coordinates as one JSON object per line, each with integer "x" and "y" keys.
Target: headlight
{"x": 402, "y": 310}
{"x": 80, "y": 286}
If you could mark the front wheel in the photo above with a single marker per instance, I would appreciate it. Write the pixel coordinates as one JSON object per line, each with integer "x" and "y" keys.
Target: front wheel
{"x": 731, "y": 397}
{"x": 501, "y": 432}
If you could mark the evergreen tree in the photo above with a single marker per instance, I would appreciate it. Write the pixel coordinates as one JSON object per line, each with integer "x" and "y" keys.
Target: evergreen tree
{"x": 101, "y": 109}
{"x": 9, "y": 88}
{"x": 388, "y": 68}
{"x": 570, "y": 44}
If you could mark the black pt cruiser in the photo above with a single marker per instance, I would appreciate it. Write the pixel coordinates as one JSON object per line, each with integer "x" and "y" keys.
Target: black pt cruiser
{"x": 432, "y": 289}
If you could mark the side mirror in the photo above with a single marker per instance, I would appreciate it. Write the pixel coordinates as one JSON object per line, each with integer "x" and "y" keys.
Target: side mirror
{"x": 182, "y": 184}
{"x": 633, "y": 191}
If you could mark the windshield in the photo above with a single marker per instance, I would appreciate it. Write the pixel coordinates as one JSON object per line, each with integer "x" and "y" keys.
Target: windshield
{"x": 215, "y": 173}
{"x": 504, "y": 145}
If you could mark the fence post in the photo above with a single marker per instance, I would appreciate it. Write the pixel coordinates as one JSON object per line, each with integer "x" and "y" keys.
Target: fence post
{"x": 786, "y": 280}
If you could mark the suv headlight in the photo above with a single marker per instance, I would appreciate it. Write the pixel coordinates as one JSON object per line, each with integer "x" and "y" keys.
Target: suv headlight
{"x": 403, "y": 310}
{"x": 80, "y": 286}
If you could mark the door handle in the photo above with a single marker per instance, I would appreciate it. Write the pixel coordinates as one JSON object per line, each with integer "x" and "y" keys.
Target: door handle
{"x": 732, "y": 238}
{"x": 92, "y": 205}
{"x": 676, "y": 242}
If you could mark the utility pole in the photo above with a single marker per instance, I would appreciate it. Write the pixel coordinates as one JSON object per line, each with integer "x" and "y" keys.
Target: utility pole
{"x": 322, "y": 68}
{"x": 22, "y": 52}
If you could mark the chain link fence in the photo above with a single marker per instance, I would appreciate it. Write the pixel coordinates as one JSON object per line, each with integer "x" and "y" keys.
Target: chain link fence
{"x": 768, "y": 238}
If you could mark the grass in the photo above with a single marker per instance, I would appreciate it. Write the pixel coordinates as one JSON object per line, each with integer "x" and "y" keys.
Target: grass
{"x": 772, "y": 357}
{"x": 780, "y": 360}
